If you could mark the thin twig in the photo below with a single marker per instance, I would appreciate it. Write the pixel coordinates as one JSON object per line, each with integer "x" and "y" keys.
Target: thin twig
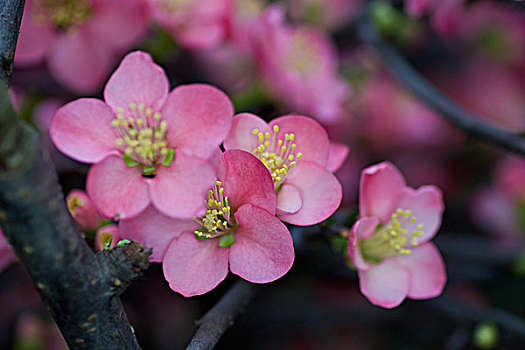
{"x": 451, "y": 111}
{"x": 220, "y": 317}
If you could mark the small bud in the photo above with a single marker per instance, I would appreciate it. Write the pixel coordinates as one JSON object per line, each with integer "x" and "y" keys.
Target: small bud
{"x": 107, "y": 237}
{"x": 83, "y": 210}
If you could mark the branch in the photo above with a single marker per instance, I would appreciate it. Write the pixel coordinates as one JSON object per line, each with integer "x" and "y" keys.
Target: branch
{"x": 419, "y": 86}
{"x": 216, "y": 321}
{"x": 11, "y": 16}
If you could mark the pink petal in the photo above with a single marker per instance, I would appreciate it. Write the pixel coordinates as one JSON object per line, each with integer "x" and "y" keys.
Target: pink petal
{"x": 83, "y": 210}
{"x": 179, "y": 190}
{"x": 263, "y": 249}
{"x": 363, "y": 229}
{"x": 137, "y": 80}
{"x": 199, "y": 117}
{"x": 199, "y": 35}
{"x": 35, "y": 40}
{"x": 104, "y": 234}
{"x": 116, "y": 189}
{"x": 248, "y": 181}
{"x": 78, "y": 62}
{"x": 310, "y": 137}
{"x": 385, "y": 284}
{"x": 289, "y": 200}
{"x": 337, "y": 154}
{"x": 240, "y": 136}
{"x": 427, "y": 271}
{"x": 194, "y": 267}
{"x": 426, "y": 205}
{"x": 380, "y": 188}
{"x": 320, "y": 190}
{"x": 82, "y": 130}
{"x": 154, "y": 230}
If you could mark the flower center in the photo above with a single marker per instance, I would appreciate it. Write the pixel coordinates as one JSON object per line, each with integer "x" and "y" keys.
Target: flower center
{"x": 396, "y": 237}
{"x": 64, "y": 14}
{"x": 141, "y": 135}
{"x": 278, "y": 155}
{"x": 218, "y": 221}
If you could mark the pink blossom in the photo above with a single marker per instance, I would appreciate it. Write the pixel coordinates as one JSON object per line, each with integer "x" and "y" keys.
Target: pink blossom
{"x": 510, "y": 177}
{"x": 7, "y": 255}
{"x": 296, "y": 151}
{"x": 329, "y": 14}
{"x": 107, "y": 237}
{"x": 79, "y": 39}
{"x": 389, "y": 245}
{"x": 147, "y": 145}
{"x": 446, "y": 15}
{"x": 83, "y": 210}
{"x": 239, "y": 229}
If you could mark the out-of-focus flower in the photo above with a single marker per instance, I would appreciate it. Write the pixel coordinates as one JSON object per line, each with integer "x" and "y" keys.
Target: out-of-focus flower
{"x": 83, "y": 210}
{"x": 329, "y": 14}
{"x": 7, "y": 255}
{"x": 389, "y": 245}
{"x": 148, "y": 145}
{"x": 296, "y": 151}
{"x": 79, "y": 39}
{"x": 107, "y": 237}
{"x": 238, "y": 229}
{"x": 445, "y": 15}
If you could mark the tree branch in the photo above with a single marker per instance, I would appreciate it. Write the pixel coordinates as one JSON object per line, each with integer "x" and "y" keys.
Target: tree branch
{"x": 216, "y": 321}
{"x": 10, "y": 18}
{"x": 419, "y": 86}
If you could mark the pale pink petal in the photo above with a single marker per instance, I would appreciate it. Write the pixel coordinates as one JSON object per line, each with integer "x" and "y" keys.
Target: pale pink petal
{"x": 82, "y": 130}
{"x": 194, "y": 267}
{"x": 78, "y": 63}
{"x": 337, "y": 154}
{"x": 263, "y": 249}
{"x": 155, "y": 230}
{"x": 137, "y": 80}
{"x": 216, "y": 160}
{"x": 198, "y": 35}
{"x": 248, "y": 181}
{"x": 385, "y": 284}
{"x": 427, "y": 271}
{"x": 116, "y": 189}
{"x": 199, "y": 117}
{"x": 426, "y": 205}
{"x": 241, "y": 136}
{"x": 179, "y": 190}
{"x": 320, "y": 191}
{"x": 363, "y": 229}
{"x": 289, "y": 200}
{"x": 104, "y": 234}
{"x": 380, "y": 188}
{"x": 310, "y": 137}
{"x": 35, "y": 40}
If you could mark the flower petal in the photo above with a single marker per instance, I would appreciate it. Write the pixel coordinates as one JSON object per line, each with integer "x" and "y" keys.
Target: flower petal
{"x": 263, "y": 249}
{"x": 427, "y": 271}
{"x": 289, "y": 200}
{"x": 337, "y": 154}
{"x": 194, "y": 267}
{"x": 426, "y": 205}
{"x": 380, "y": 188}
{"x": 82, "y": 130}
{"x": 248, "y": 181}
{"x": 155, "y": 230}
{"x": 35, "y": 39}
{"x": 320, "y": 190}
{"x": 116, "y": 189}
{"x": 137, "y": 80}
{"x": 179, "y": 190}
{"x": 385, "y": 284}
{"x": 198, "y": 35}
{"x": 240, "y": 135}
{"x": 199, "y": 117}
{"x": 363, "y": 229}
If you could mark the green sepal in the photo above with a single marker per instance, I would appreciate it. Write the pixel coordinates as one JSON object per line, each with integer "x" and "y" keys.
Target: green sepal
{"x": 169, "y": 157}
{"x": 201, "y": 237}
{"x": 226, "y": 241}
{"x": 129, "y": 161}
{"x": 108, "y": 243}
{"x": 123, "y": 242}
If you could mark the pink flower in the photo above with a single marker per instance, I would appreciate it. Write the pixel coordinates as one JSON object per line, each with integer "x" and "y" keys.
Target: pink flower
{"x": 239, "y": 229}
{"x": 79, "y": 39}
{"x": 296, "y": 151}
{"x": 147, "y": 145}
{"x": 7, "y": 255}
{"x": 390, "y": 245}
{"x": 329, "y": 14}
{"x": 107, "y": 237}
{"x": 83, "y": 210}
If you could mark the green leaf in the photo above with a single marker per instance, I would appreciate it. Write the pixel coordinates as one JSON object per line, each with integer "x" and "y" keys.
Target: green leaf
{"x": 226, "y": 241}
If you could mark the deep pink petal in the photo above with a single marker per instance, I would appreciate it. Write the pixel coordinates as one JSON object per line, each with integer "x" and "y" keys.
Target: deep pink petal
{"x": 137, "y": 80}
{"x": 310, "y": 137}
{"x": 263, "y": 249}
{"x": 337, "y": 154}
{"x": 320, "y": 190}
{"x": 426, "y": 205}
{"x": 82, "y": 130}
{"x": 78, "y": 63}
{"x": 248, "y": 181}
{"x": 155, "y": 230}
{"x": 179, "y": 190}
{"x": 289, "y": 200}
{"x": 199, "y": 117}
{"x": 363, "y": 229}
{"x": 240, "y": 135}
{"x": 116, "y": 189}
{"x": 385, "y": 284}
{"x": 427, "y": 271}
{"x": 380, "y": 188}
{"x": 194, "y": 267}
